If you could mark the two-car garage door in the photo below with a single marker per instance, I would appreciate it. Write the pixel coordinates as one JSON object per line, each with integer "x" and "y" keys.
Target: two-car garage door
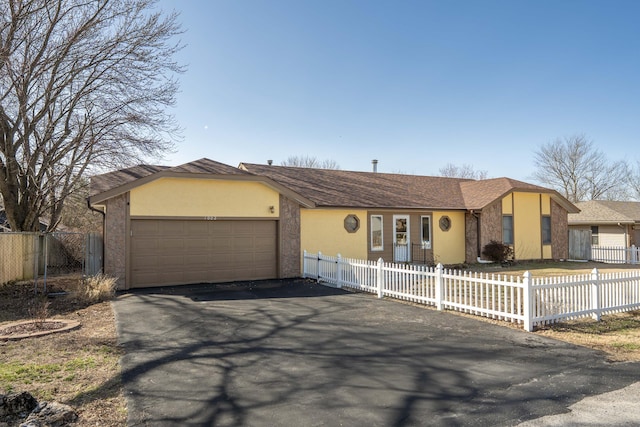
{"x": 174, "y": 252}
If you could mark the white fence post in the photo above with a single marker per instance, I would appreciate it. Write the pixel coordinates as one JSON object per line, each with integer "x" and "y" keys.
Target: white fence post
{"x": 595, "y": 294}
{"x": 304, "y": 264}
{"x": 439, "y": 285}
{"x": 380, "y": 278}
{"x": 319, "y": 263}
{"x": 528, "y": 302}
{"x": 339, "y": 271}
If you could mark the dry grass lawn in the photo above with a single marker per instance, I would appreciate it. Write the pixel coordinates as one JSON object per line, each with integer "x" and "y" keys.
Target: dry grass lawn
{"x": 81, "y": 367}
{"x": 618, "y": 335}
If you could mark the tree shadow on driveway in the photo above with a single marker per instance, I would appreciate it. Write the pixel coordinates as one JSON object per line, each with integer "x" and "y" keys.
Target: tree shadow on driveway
{"x": 302, "y": 354}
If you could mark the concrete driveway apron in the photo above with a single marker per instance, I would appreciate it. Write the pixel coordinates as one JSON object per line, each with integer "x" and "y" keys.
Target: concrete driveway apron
{"x": 295, "y": 353}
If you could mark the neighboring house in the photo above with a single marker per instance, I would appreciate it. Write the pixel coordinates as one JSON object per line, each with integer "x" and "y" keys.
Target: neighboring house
{"x": 210, "y": 222}
{"x": 6, "y": 228}
{"x": 611, "y": 223}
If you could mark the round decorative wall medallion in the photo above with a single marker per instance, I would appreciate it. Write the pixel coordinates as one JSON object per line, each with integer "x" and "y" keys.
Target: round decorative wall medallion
{"x": 351, "y": 223}
{"x": 445, "y": 223}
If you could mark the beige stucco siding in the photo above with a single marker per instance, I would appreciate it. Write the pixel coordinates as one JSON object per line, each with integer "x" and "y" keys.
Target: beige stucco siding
{"x": 611, "y": 235}
{"x": 323, "y": 230}
{"x": 449, "y": 246}
{"x": 189, "y": 197}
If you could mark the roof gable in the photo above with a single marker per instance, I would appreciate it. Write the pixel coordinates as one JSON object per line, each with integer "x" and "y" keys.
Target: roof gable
{"x": 479, "y": 194}
{"x": 111, "y": 184}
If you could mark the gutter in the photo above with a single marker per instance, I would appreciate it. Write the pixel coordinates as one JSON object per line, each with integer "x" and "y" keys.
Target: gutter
{"x": 104, "y": 223}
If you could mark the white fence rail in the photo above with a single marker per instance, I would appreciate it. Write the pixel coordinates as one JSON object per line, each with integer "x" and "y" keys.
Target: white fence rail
{"x": 616, "y": 254}
{"x": 524, "y": 300}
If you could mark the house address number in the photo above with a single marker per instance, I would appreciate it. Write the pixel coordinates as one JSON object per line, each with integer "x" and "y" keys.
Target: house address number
{"x": 209, "y": 218}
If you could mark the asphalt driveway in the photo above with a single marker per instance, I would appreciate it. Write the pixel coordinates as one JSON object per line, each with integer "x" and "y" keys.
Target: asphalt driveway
{"x": 295, "y": 353}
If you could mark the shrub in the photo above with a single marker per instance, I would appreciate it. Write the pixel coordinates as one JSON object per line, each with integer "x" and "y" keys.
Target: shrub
{"x": 497, "y": 251}
{"x": 39, "y": 310}
{"x": 94, "y": 289}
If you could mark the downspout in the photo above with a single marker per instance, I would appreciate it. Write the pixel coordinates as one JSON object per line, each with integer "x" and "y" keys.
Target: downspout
{"x": 104, "y": 223}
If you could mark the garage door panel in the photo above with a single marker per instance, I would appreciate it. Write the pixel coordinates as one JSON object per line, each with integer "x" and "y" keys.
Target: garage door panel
{"x": 196, "y": 228}
{"x": 220, "y": 262}
{"x": 222, "y": 228}
{"x": 197, "y": 260}
{"x": 172, "y": 228}
{"x": 263, "y": 258}
{"x": 144, "y": 245}
{"x": 170, "y": 252}
{"x": 263, "y": 244}
{"x": 244, "y": 230}
{"x": 243, "y": 244}
{"x": 197, "y": 245}
{"x": 146, "y": 228}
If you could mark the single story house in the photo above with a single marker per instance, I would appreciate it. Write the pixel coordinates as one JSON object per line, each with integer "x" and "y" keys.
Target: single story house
{"x": 611, "y": 223}
{"x": 205, "y": 221}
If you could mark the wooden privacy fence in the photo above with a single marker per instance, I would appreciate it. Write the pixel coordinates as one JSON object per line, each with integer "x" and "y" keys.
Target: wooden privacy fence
{"x": 25, "y": 256}
{"x": 524, "y": 300}
{"x": 18, "y": 256}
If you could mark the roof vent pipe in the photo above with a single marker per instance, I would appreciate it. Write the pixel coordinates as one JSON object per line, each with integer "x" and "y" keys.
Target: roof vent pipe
{"x": 374, "y": 162}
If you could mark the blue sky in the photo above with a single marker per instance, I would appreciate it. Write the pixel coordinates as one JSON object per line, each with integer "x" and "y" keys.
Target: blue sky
{"x": 414, "y": 84}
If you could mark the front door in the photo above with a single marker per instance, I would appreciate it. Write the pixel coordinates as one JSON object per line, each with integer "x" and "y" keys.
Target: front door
{"x": 401, "y": 240}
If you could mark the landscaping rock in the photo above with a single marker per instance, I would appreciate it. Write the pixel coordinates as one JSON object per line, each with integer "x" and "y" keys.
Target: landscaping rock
{"x": 51, "y": 414}
{"x": 17, "y": 404}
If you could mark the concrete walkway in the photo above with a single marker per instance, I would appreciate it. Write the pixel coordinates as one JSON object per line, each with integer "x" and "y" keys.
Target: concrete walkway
{"x": 297, "y": 353}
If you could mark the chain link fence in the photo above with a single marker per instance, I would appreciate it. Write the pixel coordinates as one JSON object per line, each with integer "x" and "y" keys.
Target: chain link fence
{"x": 27, "y": 256}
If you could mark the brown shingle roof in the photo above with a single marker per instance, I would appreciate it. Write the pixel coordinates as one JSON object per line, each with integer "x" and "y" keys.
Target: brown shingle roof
{"x": 208, "y": 166}
{"x": 111, "y": 180}
{"x": 606, "y": 211}
{"x": 338, "y": 188}
{"x": 330, "y": 187}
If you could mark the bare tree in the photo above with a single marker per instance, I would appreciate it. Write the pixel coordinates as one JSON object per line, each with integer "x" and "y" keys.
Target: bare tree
{"x": 464, "y": 171}
{"x": 577, "y": 170}
{"x": 310, "y": 162}
{"x": 84, "y": 85}
{"x": 634, "y": 180}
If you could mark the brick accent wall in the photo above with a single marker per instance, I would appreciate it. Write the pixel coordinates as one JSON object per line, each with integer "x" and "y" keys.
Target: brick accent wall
{"x": 289, "y": 239}
{"x": 471, "y": 238}
{"x": 491, "y": 224}
{"x": 559, "y": 232}
{"x": 115, "y": 239}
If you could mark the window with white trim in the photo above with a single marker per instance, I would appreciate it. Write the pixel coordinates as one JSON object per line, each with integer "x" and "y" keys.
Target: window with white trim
{"x": 377, "y": 243}
{"x": 425, "y": 233}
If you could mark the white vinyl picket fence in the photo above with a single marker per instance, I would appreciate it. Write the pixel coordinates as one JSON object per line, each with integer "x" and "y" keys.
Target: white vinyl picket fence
{"x": 524, "y": 300}
{"x": 616, "y": 254}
